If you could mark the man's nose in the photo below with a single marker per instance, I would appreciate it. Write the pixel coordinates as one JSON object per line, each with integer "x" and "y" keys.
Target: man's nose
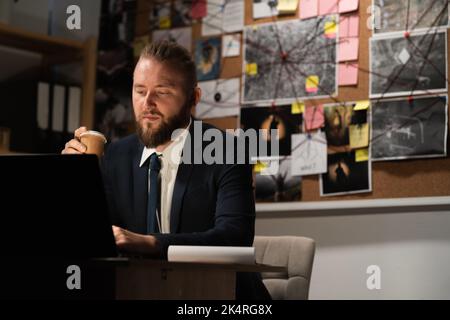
{"x": 150, "y": 101}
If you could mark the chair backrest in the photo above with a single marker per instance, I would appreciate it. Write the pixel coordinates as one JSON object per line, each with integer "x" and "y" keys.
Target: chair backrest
{"x": 294, "y": 253}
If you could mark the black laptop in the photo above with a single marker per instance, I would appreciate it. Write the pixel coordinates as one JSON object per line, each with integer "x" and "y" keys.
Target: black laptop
{"x": 54, "y": 206}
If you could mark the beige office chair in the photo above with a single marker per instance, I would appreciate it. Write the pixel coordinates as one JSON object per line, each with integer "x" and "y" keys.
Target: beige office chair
{"x": 294, "y": 253}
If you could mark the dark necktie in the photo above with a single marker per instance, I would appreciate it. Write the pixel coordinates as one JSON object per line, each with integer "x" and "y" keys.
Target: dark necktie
{"x": 154, "y": 196}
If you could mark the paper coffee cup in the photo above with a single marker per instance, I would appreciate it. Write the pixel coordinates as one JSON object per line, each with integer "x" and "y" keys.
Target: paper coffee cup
{"x": 94, "y": 142}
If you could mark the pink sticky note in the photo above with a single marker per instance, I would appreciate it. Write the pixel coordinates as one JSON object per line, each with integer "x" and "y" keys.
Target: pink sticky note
{"x": 348, "y": 49}
{"x": 348, "y": 5}
{"x": 348, "y": 74}
{"x": 328, "y": 7}
{"x": 349, "y": 25}
{"x": 198, "y": 9}
{"x": 308, "y": 8}
{"x": 313, "y": 117}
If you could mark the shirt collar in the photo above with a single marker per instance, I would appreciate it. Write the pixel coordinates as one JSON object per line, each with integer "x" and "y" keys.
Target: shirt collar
{"x": 180, "y": 138}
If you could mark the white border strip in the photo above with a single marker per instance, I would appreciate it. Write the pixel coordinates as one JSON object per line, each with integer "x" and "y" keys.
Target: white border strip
{"x": 340, "y": 205}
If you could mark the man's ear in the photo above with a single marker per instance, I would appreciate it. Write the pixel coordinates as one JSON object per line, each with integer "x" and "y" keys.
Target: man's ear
{"x": 197, "y": 96}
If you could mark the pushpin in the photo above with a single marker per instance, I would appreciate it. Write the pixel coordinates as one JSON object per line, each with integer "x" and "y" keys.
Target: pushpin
{"x": 407, "y": 34}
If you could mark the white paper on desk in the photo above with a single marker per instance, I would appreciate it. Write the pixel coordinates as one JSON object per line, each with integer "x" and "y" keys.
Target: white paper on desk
{"x": 233, "y": 16}
{"x": 58, "y": 108}
{"x": 263, "y": 10}
{"x": 220, "y": 98}
{"x": 309, "y": 154}
{"x": 182, "y": 36}
{"x": 212, "y": 23}
{"x": 240, "y": 255}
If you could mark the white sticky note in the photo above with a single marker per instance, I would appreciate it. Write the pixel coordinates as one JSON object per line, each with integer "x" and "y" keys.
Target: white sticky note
{"x": 231, "y": 45}
{"x": 309, "y": 154}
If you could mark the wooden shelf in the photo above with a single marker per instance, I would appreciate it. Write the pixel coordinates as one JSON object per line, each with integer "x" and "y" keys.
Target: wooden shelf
{"x": 56, "y": 51}
{"x": 40, "y": 43}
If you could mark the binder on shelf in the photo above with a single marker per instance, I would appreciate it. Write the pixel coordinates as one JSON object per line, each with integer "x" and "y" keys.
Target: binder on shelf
{"x": 74, "y": 101}
{"x": 43, "y": 105}
{"x": 58, "y": 108}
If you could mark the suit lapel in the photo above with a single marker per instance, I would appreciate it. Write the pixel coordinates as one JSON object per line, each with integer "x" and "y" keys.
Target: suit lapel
{"x": 140, "y": 191}
{"x": 181, "y": 182}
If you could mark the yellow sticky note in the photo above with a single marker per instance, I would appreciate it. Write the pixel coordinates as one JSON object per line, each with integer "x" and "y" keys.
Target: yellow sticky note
{"x": 297, "y": 108}
{"x": 287, "y": 6}
{"x": 312, "y": 84}
{"x": 359, "y": 135}
{"x": 362, "y": 155}
{"x": 330, "y": 28}
{"x": 362, "y": 105}
{"x": 164, "y": 22}
{"x": 251, "y": 69}
{"x": 259, "y": 166}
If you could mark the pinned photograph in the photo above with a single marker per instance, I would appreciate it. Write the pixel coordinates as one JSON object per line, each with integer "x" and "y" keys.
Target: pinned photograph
{"x": 346, "y": 175}
{"x": 289, "y": 60}
{"x": 404, "y": 129}
{"x": 394, "y": 15}
{"x": 182, "y": 36}
{"x": 207, "y": 58}
{"x": 280, "y": 186}
{"x": 273, "y": 118}
{"x": 220, "y": 98}
{"x": 416, "y": 64}
{"x": 181, "y": 14}
{"x": 264, "y": 8}
{"x": 160, "y": 15}
{"x": 337, "y": 122}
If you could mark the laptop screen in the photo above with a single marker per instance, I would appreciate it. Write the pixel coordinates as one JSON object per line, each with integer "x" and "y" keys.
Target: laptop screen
{"x": 54, "y": 206}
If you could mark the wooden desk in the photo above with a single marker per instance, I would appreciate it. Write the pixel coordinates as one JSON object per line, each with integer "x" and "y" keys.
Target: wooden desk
{"x": 156, "y": 279}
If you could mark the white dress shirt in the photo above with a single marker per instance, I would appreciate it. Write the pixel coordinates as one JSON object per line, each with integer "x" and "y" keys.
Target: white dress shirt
{"x": 170, "y": 159}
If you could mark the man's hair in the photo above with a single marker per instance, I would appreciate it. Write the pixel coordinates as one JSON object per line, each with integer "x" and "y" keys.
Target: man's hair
{"x": 178, "y": 58}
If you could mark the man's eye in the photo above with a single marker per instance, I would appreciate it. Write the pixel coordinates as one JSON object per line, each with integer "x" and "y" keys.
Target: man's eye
{"x": 163, "y": 92}
{"x": 141, "y": 93}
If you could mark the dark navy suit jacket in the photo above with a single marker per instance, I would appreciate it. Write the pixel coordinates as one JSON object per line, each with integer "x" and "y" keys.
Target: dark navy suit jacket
{"x": 212, "y": 204}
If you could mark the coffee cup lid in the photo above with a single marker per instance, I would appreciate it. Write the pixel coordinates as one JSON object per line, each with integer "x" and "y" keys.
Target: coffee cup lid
{"x": 94, "y": 133}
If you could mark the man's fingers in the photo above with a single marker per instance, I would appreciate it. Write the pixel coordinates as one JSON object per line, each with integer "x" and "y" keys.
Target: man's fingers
{"x": 116, "y": 230}
{"x": 71, "y": 151}
{"x": 79, "y": 131}
{"x": 76, "y": 145}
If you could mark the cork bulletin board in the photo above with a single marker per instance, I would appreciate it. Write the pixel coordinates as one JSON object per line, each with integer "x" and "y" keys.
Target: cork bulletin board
{"x": 390, "y": 179}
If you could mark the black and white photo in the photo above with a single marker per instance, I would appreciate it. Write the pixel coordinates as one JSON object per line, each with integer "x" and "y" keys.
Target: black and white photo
{"x": 403, "y": 129}
{"x": 289, "y": 56}
{"x": 406, "y": 65}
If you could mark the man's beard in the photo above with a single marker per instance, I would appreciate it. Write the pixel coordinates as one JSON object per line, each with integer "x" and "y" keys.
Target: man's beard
{"x": 152, "y": 137}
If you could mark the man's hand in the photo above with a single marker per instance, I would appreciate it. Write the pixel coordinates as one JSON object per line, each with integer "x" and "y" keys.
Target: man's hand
{"x": 74, "y": 146}
{"x": 131, "y": 242}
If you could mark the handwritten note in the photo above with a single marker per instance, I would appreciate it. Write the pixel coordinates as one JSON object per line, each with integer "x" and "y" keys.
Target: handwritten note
{"x": 309, "y": 154}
